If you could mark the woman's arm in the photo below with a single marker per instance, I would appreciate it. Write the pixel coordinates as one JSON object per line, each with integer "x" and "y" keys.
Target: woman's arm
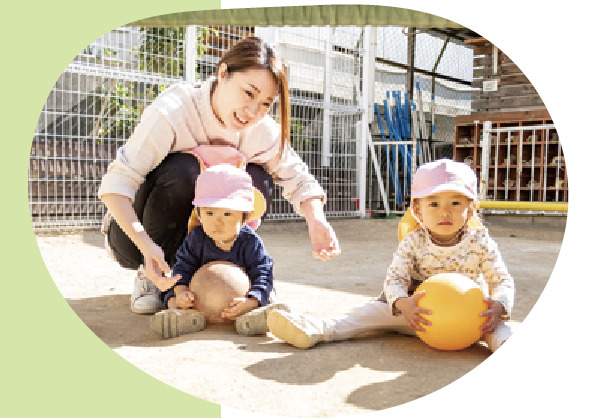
{"x": 323, "y": 239}
{"x": 261, "y": 146}
{"x": 155, "y": 265}
{"x": 149, "y": 144}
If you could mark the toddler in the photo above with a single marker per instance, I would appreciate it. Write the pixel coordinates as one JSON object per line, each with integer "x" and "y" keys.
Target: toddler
{"x": 444, "y": 199}
{"x": 225, "y": 201}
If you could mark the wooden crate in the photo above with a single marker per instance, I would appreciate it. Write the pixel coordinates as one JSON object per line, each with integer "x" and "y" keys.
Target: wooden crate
{"x": 514, "y": 91}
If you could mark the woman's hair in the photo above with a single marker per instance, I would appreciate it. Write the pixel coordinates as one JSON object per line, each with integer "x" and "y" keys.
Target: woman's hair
{"x": 253, "y": 52}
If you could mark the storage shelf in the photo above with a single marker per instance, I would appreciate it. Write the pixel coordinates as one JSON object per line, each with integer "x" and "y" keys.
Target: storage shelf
{"x": 527, "y": 136}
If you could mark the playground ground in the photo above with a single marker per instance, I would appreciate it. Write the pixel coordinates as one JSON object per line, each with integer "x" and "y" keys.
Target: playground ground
{"x": 266, "y": 376}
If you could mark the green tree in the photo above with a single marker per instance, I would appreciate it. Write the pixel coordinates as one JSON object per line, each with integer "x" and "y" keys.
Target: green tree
{"x": 162, "y": 49}
{"x": 162, "y": 52}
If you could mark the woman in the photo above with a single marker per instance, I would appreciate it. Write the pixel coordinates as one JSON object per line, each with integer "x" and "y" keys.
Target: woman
{"x": 148, "y": 188}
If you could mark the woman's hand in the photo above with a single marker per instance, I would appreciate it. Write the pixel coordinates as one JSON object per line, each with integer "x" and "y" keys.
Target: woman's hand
{"x": 155, "y": 266}
{"x": 323, "y": 239}
{"x": 493, "y": 314}
{"x": 409, "y": 306}
{"x": 238, "y": 307}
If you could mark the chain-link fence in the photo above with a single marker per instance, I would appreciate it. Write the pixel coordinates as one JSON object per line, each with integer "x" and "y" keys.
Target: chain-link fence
{"x": 98, "y": 100}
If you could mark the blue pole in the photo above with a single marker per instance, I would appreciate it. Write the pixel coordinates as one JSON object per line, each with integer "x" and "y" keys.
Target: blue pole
{"x": 393, "y": 136}
{"x": 398, "y": 129}
{"x": 379, "y": 122}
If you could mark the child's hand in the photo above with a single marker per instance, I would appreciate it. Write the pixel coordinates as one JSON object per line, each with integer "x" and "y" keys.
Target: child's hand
{"x": 238, "y": 307}
{"x": 184, "y": 299}
{"x": 493, "y": 314}
{"x": 409, "y": 307}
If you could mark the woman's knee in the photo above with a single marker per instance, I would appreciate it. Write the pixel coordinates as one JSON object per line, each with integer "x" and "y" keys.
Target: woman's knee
{"x": 177, "y": 167}
{"x": 175, "y": 177}
{"x": 123, "y": 249}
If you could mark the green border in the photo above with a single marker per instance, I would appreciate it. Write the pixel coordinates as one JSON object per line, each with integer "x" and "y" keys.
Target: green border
{"x": 332, "y": 15}
{"x": 53, "y": 364}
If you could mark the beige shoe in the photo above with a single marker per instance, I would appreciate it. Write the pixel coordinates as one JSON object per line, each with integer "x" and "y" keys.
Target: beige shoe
{"x": 254, "y": 322}
{"x": 298, "y": 330}
{"x": 172, "y": 323}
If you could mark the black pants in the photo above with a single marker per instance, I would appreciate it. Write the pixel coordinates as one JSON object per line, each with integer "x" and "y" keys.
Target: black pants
{"x": 163, "y": 204}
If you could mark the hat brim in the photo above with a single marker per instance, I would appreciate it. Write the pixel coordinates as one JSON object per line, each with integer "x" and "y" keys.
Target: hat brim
{"x": 445, "y": 188}
{"x": 259, "y": 206}
{"x": 254, "y": 212}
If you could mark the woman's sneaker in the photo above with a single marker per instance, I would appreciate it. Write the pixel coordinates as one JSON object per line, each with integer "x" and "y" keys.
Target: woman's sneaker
{"x": 172, "y": 323}
{"x": 145, "y": 296}
{"x": 254, "y": 322}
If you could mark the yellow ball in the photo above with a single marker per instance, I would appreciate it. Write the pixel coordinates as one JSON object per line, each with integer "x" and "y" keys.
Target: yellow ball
{"x": 455, "y": 302}
{"x": 215, "y": 285}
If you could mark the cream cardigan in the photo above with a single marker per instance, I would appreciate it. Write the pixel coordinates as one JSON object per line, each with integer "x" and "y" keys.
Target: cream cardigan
{"x": 179, "y": 119}
{"x": 476, "y": 256}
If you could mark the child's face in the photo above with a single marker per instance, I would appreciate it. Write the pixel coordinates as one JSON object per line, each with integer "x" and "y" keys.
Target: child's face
{"x": 444, "y": 213}
{"x": 221, "y": 224}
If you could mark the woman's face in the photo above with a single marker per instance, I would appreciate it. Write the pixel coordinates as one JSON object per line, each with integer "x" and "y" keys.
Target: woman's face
{"x": 242, "y": 99}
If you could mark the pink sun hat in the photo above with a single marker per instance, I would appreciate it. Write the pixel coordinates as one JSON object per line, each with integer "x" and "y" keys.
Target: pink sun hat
{"x": 228, "y": 187}
{"x": 444, "y": 176}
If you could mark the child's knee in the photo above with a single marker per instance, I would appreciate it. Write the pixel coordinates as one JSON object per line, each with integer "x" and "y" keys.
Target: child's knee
{"x": 499, "y": 335}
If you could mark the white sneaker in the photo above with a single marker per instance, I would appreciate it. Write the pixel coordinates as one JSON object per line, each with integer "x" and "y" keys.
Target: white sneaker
{"x": 298, "y": 330}
{"x": 254, "y": 322}
{"x": 145, "y": 297}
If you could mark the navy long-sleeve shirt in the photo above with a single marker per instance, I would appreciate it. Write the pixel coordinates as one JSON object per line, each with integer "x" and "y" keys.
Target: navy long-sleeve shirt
{"x": 247, "y": 252}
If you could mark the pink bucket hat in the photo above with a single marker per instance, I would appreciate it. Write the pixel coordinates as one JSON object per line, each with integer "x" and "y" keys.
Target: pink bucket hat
{"x": 228, "y": 187}
{"x": 444, "y": 176}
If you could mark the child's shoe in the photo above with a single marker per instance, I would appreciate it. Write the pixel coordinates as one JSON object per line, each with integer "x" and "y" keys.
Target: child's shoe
{"x": 145, "y": 296}
{"x": 254, "y": 322}
{"x": 298, "y": 330}
{"x": 172, "y": 323}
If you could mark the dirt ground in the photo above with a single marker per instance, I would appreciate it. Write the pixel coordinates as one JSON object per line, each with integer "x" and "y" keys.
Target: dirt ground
{"x": 264, "y": 375}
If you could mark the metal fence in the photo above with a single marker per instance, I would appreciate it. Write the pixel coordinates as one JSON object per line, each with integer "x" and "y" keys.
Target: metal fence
{"x": 442, "y": 80}
{"x": 98, "y": 100}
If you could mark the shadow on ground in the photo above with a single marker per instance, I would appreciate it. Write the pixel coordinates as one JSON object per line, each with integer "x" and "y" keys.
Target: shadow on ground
{"x": 418, "y": 368}
{"x": 262, "y": 374}
{"x": 415, "y": 368}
